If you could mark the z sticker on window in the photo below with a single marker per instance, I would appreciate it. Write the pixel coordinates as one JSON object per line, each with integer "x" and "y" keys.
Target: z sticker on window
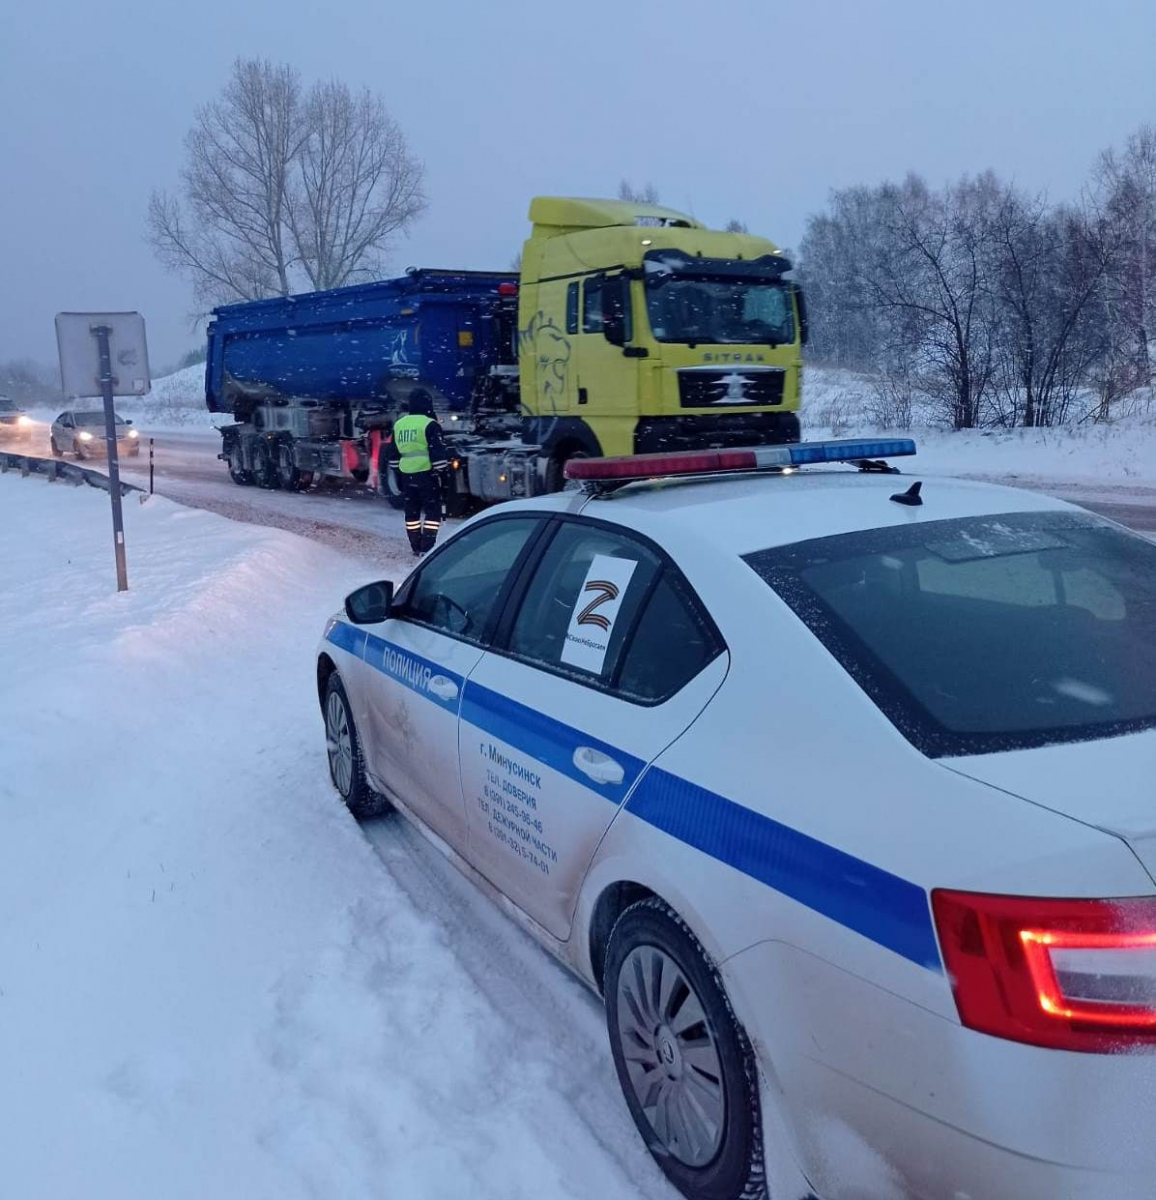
{"x": 595, "y": 610}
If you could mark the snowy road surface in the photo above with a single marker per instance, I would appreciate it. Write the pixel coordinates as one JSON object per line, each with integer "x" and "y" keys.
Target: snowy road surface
{"x": 212, "y": 981}
{"x": 351, "y": 519}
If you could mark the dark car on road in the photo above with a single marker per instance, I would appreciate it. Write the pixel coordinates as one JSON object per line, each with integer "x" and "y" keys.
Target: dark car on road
{"x": 13, "y": 420}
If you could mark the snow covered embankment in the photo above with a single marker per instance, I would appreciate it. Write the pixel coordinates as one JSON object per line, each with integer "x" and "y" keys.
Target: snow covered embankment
{"x": 1117, "y": 455}
{"x": 210, "y": 985}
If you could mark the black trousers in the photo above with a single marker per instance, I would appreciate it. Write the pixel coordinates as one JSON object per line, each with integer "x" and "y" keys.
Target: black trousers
{"x": 423, "y": 509}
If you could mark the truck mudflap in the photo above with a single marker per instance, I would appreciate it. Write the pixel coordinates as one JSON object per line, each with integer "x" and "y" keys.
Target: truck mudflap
{"x": 655, "y": 434}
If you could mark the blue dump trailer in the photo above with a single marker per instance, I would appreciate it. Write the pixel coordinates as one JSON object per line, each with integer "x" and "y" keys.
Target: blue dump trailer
{"x": 629, "y": 329}
{"x": 314, "y": 381}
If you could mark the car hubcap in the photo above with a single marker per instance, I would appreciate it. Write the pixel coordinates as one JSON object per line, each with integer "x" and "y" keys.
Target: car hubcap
{"x": 339, "y": 744}
{"x": 671, "y": 1056}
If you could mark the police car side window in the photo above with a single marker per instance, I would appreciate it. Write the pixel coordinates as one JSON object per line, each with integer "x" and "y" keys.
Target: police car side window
{"x": 456, "y": 590}
{"x": 670, "y": 645}
{"x": 582, "y": 600}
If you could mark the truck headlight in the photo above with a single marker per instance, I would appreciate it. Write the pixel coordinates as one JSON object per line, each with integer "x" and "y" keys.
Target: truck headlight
{"x": 23, "y": 421}
{"x": 133, "y": 433}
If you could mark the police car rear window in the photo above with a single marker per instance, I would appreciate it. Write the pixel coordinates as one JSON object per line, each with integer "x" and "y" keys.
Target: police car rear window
{"x": 985, "y": 634}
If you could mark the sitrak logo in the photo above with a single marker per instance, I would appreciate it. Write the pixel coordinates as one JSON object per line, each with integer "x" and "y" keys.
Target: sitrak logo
{"x": 607, "y": 591}
{"x": 733, "y": 388}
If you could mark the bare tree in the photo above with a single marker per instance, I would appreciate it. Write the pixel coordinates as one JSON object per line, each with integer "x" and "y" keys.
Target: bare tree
{"x": 647, "y": 194}
{"x": 229, "y": 234}
{"x": 1047, "y": 269}
{"x": 734, "y": 225}
{"x": 913, "y": 259}
{"x": 278, "y": 188}
{"x": 29, "y": 382}
{"x": 1124, "y": 189}
{"x": 355, "y": 185}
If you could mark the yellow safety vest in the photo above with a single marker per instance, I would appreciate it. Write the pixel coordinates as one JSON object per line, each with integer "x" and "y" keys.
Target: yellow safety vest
{"x": 409, "y": 435}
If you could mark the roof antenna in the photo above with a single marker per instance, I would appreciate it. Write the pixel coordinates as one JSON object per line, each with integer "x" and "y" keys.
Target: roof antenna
{"x": 911, "y": 497}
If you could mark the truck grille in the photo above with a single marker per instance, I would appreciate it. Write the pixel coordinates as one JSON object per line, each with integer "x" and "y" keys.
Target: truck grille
{"x": 699, "y": 388}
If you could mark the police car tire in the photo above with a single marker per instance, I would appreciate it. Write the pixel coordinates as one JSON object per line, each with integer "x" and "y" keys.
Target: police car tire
{"x": 737, "y": 1171}
{"x": 362, "y": 800}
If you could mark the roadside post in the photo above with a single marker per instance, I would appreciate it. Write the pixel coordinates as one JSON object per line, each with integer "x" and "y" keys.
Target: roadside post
{"x": 150, "y": 466}
{"x": 106, "y": 355}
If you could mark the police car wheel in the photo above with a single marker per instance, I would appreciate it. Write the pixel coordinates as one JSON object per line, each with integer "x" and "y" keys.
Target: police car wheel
{"x": 56, "y": 450}
{"x": 343, "y": 748}
{"x": 685, "y": 1065}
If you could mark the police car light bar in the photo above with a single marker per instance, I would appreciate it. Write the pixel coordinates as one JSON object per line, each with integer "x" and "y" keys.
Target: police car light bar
{"x": 752, "y": 458}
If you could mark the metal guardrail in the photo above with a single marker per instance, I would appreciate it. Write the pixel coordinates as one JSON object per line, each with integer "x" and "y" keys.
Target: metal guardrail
{"x": 54, "y": 469}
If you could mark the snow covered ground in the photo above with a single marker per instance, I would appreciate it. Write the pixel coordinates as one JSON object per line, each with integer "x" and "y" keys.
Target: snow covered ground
{"x": 211, "y": 983}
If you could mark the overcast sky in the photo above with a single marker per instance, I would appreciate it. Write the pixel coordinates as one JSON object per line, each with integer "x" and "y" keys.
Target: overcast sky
{"x": 746, "y": 108}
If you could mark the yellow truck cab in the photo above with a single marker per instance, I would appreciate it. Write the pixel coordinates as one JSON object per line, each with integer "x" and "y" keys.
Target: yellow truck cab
{"x": 640, "y": 330}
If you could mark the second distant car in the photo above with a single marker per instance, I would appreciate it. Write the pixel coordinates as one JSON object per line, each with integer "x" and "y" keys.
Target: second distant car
{"x": 13, "y": 420}
{"x": 82, "y": 434}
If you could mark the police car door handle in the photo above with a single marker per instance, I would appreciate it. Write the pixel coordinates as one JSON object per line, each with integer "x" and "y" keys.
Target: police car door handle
{"x": 600, "y": 767}
{"x": 442, "y": 688}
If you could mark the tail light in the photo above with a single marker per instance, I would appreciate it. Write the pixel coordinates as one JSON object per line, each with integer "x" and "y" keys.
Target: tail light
{"x": 1066, "y": 974}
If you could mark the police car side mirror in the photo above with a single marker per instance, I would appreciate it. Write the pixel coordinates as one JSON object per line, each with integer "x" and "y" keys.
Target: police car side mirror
{"x": 370, "y": 605}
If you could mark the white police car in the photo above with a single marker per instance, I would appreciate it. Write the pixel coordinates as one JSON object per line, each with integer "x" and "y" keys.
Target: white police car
{"x": 841, "y": 794}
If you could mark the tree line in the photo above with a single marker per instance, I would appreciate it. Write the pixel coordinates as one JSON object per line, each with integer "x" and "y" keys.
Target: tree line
{"x": 988, "y": 303}
{"x": 285, "y": 188}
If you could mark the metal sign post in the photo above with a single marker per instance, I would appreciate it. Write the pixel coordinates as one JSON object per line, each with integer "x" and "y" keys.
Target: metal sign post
{"x": 104, "y": 354}
{"x": 101, "y": 332}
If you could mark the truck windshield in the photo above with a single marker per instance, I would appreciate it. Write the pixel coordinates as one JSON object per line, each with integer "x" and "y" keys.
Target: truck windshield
{"x": 752, "y": 311}
{"x": 987, "y": 633}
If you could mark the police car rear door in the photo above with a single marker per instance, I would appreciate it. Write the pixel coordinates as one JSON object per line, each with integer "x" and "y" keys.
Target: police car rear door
{"x": 417, "y": 663}
{"x": 607, "y": 660}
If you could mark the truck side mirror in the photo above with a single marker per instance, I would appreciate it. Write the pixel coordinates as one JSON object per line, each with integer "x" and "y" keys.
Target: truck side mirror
{"x": 370, "y": 605}
{"x": 801, "y": 305}
{"x": 614, "y": 301}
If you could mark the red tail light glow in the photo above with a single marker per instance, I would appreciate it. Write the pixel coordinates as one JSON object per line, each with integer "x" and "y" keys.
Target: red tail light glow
{"x": 1066, "y": 974}
{"x": 648, "y": 466}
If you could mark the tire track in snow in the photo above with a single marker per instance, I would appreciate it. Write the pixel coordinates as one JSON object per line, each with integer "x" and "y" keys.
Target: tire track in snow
{"x": 554, "y": 1019}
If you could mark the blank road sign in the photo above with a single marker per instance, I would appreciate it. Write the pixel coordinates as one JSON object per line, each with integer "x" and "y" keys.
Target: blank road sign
{"x": 80, "y": 353}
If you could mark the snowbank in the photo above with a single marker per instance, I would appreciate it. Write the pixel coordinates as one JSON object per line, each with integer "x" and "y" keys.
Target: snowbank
{"x": 210, "y": 983}
{"x": 1123, "y": 453}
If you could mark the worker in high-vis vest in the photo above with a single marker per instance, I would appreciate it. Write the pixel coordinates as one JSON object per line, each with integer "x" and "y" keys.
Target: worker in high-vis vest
{"x": 417, "y": 452}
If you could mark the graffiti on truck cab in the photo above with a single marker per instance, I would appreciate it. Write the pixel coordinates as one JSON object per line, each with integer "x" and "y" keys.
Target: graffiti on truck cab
{"x": 544, "y": 342}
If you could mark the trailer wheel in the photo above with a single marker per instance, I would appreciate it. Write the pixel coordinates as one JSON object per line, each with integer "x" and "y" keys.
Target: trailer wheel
{"x": 388, "y": 486}
{"x": 288, "y": 476}
{"x": 237, "y": 472}
{"x": 556, "y": 480}
{"x": 264, "y": 471}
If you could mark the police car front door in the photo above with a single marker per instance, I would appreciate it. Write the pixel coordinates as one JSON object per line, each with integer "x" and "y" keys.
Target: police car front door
{"x": 559, "y": 724}
{"x": 419, "y": 661}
